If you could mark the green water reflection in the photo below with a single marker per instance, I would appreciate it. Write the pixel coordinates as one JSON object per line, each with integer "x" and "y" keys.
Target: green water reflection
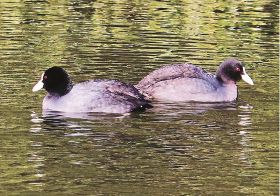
{"x": 172, "y": 149}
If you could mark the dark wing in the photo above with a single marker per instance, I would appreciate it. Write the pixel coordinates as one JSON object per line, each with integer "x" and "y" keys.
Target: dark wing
{"x": 170, "y": 72}
{"x": 127, "y": 94}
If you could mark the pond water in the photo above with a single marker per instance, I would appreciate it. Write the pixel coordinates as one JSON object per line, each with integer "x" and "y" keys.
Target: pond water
{"x": 171, "y": 149}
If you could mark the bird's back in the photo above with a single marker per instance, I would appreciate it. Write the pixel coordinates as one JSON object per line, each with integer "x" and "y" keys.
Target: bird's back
{"x": 192, "y": 78}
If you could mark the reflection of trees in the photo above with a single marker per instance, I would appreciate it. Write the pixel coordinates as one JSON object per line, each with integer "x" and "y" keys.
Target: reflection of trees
{"x": 93, "y": 32}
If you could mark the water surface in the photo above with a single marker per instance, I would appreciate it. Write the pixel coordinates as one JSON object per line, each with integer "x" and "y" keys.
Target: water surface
{"x": 171, "y": 149}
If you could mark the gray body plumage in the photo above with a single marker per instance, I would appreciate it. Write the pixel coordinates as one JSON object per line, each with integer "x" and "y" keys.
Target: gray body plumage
{"x": 109, "y": 96}
{"x": 186, "y": 82}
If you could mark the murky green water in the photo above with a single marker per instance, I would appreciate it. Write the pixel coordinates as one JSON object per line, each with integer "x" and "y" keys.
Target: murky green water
{"x": 172, "y": 149}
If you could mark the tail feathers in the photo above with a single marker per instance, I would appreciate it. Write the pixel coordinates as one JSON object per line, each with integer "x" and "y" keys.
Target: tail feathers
{"x": 143, "y": 107}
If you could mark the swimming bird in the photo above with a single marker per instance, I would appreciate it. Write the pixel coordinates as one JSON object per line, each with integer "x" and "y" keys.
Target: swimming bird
{"x": 187, "y": 82}
{"x": 99, "y": 95}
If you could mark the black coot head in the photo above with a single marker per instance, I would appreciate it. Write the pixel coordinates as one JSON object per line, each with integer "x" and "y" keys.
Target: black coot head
{"x": 56, "y": 81}
{"x": 231, "y": 71}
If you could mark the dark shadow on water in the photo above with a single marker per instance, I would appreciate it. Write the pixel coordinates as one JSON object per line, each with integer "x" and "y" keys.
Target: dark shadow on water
{"x": 81, "y": 115}
{"x": 194, "y": 108}
{"x": 49, "y": 120}
{"x": 167, "y": 108}
{"x": 201, "y": 113}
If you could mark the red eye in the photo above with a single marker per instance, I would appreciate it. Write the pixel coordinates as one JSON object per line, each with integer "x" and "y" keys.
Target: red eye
{"x": 45, "y": 77}
{"x": 237, "y": 69}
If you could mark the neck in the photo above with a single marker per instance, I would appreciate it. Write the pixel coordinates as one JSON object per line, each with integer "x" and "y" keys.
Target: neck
{"x": 60, "y": 91}
{"x": 224, "y": 79}
{"x": 219, "y": 78}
